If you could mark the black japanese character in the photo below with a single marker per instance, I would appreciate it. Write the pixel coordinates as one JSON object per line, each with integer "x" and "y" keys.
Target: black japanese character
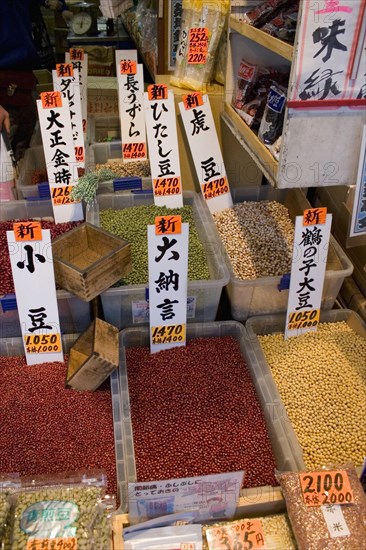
{"x": 198, "y": 122}
{"x": 167, "y": 310}
{"x": 30, "y": 265}
{"x": 160, "y": 150}
{"x": 166, "y": 246}
{"x": 327, "y": 36}
{"x": 209, "y": 168}
{"x": 154, "y": 107}
{"x": 165, "y": 281}
{"x": 322, "y": 83}
{"x": 311, "y": 236}
{"x": 57, "y": 139}
{"x": 37, "y": 317}
{"x": 52, "y": 119}
{"x": 59, "y": 158}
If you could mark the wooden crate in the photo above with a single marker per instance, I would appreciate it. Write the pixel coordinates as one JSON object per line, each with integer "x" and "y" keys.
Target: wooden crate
{"x": 88, "y": 260}
{"x": 93, "y": 357}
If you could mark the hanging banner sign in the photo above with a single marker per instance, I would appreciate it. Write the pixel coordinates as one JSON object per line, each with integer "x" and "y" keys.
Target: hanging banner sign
{"x": 66, "y": 80}
{"x": 358, "y": 222}
{"x": 162, "y": 138}
{"x": 168, "y": 282}
{"x": 327, "y": 62}
{"x": 130, "y": 78}
{"x": 205, "y": 148}
{"x": 59, "y": 151}
{"x": 30, "y": 253}
{"x": 309, "y": 260}
{"x": 79, "y": 60}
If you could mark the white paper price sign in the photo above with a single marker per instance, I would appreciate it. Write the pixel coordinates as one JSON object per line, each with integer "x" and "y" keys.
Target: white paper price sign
{"x": 212, "y": 496}
{"x": 163, "y": 146}
{"x": 79, "y": 60}
{"x": 168, "y": 280}
{"x": 309, "y": 258}
{"x": 30, "y": 253}
{"x": 66, "y": 80}
{"x": 130, "y": 80}
{"x": 358, "y": 223}
{"x": 58, "y": 145}
{"x": 206, "y": 153}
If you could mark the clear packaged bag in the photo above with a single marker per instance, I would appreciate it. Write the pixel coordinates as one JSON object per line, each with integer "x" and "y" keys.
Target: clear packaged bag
{"x": 8, "y": 484}
{"x": 165, "y": 538}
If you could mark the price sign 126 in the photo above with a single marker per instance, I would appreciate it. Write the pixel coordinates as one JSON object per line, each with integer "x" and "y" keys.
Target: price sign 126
{"x": 328, "y": 487}
{"x": 61, "y": 195}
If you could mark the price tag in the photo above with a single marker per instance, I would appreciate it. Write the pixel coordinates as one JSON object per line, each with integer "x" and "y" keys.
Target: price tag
{"x": 134, "y": 150}
{"x": 64, "y": 543}
{"x": 43, "y": 343}
{"x": 166, "y": 334}
{"x": 328, "y": 487}
{"x": 61, "y": 195}
{"x": 157, "y": 91}
{"x": 64, "y": 69}
{"x": 192, "y": 100}
{"x": 27, "y": 231}
{"x": 303, "y": 319}
{"x": 168, "y": 225}
{"x": 167, "y": 186}
{"x": 76, "y": 54}
{"x": 215, "y": 188}
{"x": 79, "y": 153}
{"x": 239, "y": 534}
{"x": 128, "y": 66}
{"x": 198, "y": 45}
{"x": 315, "y": 216}
{"x": 51, "y": 99}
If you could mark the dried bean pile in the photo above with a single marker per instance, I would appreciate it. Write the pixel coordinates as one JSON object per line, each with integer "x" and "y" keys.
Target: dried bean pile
{"x": 321, "y": 377}
{"x": 195, "y": 411}
{"x": 46, "y": 428}
{"x": 258, "y": 238}
{"x": 131, "y": 224}
{"x": 140, "y": 168}
{"x": 6, "y": 278}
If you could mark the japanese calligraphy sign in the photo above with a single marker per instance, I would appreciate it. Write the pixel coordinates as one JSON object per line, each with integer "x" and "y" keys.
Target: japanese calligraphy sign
{"x": 79, "y": 60}
{"x": 66, "y": 81}
{"x": 131, "y": 111}
{"x": 31, "y": 261}
{"x": 309, "y": 259}
{"x": 168, "y": 282}
{"x": 207, "y": 157}
{"x": 163, "y": 146}
{"x": 213, "y": 496}
{"x": 58, "y": 145}
{"x": 326, "y": 487}
{"x": 244, "y": 533}
{"x": 326, "y": 65}
{"x": 358, "y": 223}
{"x": 335, "y": 520}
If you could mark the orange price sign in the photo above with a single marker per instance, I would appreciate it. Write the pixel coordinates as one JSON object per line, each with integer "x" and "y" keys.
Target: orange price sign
{"x": 198, "y": 45}
{"x": 303, "y": 319}
{"x": 166, "y": 334}
{"x": 127, "y": 66}
{"x": 192, "y": 100}
{"x": 167, "y": 186}
{"x": 43, "y": 343}
{"x": 76, "y": 54}
{"x": 239, "y": 534}
{"x": 134, "y": 150}
{"x": 168, "y": 225}
{"x": 64, "y": 69}
{"x": 215, "y": 188}
{"x": 27, "y": 231}
{"x": 61, "y": 195}
{"x": 157, "y": 91}
{"x": 326, "y": 487}
{"x": 315, "y": 216}
{"x": 51, "y": 99}
{"x": 79, "y": 153}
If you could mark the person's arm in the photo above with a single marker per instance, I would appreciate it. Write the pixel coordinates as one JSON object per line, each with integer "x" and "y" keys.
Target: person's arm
{"x": 58, "y": 5}
{"x": 4, "y": 119}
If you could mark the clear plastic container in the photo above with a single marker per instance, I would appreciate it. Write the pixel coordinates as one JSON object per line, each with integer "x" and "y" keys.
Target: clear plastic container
{"x": 139, "y": 337}
{"x": 270, "y": 324}
{"x": 34, "y": 159}
{"x": 262, "y": 296}
{"x": 74, "y": 314}
{"x": 126, "y": 305}
{"x": 100, "y": 128}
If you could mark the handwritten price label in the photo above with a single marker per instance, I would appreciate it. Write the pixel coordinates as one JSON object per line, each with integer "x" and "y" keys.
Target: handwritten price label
{"x": 215, "y": 188}
{"x": 134, "y": 150}
{"x": 240, "y": 534}
{"x": 61, "y": 195}
{"x": 315, "y": 216}
{"x": 167, "y": 186}
{"x": 303, "y": 319}
{"x": 328, "y": 487}
{"x": 198, "y": 45}
{"x": 168, "y": 333}
{"x": 43, "y": 343}
{"x": 79, "y": 154}
{"x": 27, "y": 231}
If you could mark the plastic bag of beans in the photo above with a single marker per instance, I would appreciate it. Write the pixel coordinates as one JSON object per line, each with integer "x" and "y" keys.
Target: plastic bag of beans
{"x": 326, "y": 507}
{"x": 8, "y": 484}
{"x": 62, "y": 509}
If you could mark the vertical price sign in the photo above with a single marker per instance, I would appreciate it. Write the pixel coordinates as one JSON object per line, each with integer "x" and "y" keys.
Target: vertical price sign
{"x": 58, "y": 145}
{"x": 168, "y": 280}
{"x": 79, "y": 60}
{"x": 163, "y": 146}
{"x": 130, "y": 80}
{"x": 309, "y": 258}
{"x": 66, "y": 81}
{"x": 199, "y": 126}
{"x": 30, "y": 253}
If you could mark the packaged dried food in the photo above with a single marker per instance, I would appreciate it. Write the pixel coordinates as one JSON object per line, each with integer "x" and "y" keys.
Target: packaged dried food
{"x": 272, "y": 120}
{"x": 247, "y": 75}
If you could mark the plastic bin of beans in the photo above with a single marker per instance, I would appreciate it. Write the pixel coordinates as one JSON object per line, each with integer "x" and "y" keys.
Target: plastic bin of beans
{"x": 194, "y": 410}
{"x": 256, "y": 241}
{"x": 75, "y": 315}
{"x": 127, "y": 305}
{"x": 317, "y": 383}
{"x": 47, "y": 429}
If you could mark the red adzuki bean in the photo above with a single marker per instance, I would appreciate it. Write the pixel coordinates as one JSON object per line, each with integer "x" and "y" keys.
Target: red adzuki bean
{"x": 195, "y": 411}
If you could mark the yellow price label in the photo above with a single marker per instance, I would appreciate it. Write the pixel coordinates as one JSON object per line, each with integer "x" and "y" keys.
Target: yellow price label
{"x": 303, "y": 319}
{"x": 43, "y": 343}
{"x": 166, "y": 334}
{"x": 61, "y": 195}
{"x": 63, "y": 543}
